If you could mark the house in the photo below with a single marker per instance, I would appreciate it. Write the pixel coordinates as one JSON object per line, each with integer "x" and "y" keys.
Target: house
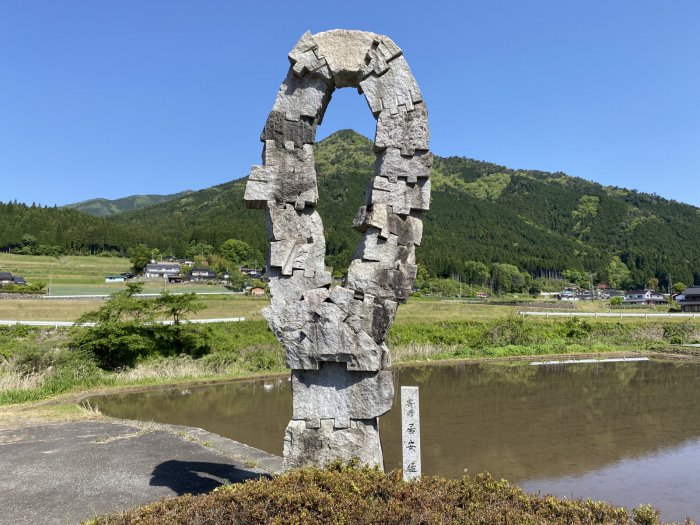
{"x": 202, "y": 274}
{"x": 643, "y": 298}
{"x": 161, "y": 270}
{"x": 115, "y": 279}
{"x": 253, "y": 273}
{"x": 482, "y": 295}
{"x": 257, "y": 291}
{"x": 691, "y": 299}
{"x": 567, "y": 294}
{"x": 8, "y": 278}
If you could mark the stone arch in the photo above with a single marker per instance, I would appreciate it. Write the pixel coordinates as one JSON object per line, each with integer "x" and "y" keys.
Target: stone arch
{"x": 334, "y": 337}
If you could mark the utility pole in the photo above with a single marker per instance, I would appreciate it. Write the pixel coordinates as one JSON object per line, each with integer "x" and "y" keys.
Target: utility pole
{"x": 670, "y": 284}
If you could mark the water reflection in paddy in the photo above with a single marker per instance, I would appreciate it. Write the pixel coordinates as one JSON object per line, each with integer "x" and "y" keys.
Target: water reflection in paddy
{"x": 624, "y": 432}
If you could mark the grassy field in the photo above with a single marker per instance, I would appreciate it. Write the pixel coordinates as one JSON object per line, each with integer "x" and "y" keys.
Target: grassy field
{"x": 417, "y": 310}
{"x": 67, "y": 269}
{"x": 85, "y": 275}
{"x": 217, "y": 306}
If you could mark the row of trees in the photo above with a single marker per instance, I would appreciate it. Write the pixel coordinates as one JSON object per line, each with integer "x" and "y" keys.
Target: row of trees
{"x": 508, "y": 278}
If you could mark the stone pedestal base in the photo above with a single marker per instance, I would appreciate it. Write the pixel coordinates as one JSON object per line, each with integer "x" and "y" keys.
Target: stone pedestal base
{"x": 304, "y": 446}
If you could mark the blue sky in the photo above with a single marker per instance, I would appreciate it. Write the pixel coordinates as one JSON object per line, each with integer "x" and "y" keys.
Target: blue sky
{"x": 108, "y": 99}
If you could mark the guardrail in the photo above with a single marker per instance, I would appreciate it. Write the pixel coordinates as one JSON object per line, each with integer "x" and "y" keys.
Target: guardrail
{"x": 58, "y": 324}
{"x": 608, "y": 314}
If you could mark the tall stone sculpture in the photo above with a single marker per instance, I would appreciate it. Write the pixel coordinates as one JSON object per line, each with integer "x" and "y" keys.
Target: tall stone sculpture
{"x": 334, "y": 336}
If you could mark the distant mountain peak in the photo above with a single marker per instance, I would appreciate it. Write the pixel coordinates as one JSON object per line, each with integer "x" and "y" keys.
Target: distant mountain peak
{"x": 101, "y": 207}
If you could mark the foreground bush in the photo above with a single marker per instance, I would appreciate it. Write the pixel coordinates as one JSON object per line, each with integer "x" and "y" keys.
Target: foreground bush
{"x": 365, "y": 496}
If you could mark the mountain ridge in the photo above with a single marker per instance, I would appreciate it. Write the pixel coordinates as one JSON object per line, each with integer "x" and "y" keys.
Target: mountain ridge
{"x": 539, "y": 221}
{"x": 101, "y": 207}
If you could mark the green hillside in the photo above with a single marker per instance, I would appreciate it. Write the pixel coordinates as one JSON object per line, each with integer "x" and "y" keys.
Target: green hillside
{"x": 107, "y": 208}
{"x": 541, "y": 222}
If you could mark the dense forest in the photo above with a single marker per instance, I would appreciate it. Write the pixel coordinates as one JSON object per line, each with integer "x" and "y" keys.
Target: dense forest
{"x": 543, "y": 223}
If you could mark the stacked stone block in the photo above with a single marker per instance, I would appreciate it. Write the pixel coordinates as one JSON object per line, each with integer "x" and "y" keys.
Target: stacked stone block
{"x": 334, "y": 336}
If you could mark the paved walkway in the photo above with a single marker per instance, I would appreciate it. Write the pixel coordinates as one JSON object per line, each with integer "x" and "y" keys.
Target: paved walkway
{"x": 67, "y": 472}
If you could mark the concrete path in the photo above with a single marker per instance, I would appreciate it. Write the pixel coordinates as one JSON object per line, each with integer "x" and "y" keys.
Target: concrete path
{"x": 67, "y": 472}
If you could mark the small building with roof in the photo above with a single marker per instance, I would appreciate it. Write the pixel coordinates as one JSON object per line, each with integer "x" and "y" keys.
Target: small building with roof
{"x": 161, "y": 270}
{"x": 691, "y": 299}
{"x": 644, "y": 298}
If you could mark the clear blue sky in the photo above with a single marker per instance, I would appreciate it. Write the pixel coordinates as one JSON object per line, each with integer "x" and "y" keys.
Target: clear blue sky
{"x": 108, "y": 99}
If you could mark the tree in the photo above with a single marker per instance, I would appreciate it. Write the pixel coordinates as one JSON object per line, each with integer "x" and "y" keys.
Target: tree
{"x": 178, "y": 305}
{"x": 506, "y": 278}
{"x": 475, "y": 273}
{"x": 576, "y": 277}
{"x": 422, "y": 275}
{"x": 618, "y": 274}
{"x": 126, "y": 328}
{"x": 237, "y": 279}
{"x": 200, "y": 249}
{"x": 238, "y": 252}
{"x": 679, "y": 287}
{"x": 140, "y": 256}
{"x": 653, "y": 283}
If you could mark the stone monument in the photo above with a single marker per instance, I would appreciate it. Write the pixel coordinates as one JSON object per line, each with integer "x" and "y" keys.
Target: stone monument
{"x": 334, "y": 335}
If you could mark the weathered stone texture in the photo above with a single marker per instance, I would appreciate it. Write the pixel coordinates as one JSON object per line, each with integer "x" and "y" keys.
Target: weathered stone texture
{"x": 333, "y": 393}
{"x": 306, "y": 96}
{"x": 409, "y": 230}
{"x": 395, "y": 88}
{"x": 281, "y": 130}
{"x": 305, "y": 58}
{"x": 371, "y": 278}
{"x": 406, "y": 130}
{"x": 334, "y": 337}
{"x": 392, "y": 165}
{"x": 400, "y": 196}
{"x": 305, "y": 446}
{"x": 287, "y": 176}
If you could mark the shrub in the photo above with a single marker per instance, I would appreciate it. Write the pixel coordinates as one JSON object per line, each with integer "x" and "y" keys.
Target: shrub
{"x": 677, "y": 333}
{"x": 349, "y": 495}
{"x": 576, "y": 328}
{"x": 125, "y": 329}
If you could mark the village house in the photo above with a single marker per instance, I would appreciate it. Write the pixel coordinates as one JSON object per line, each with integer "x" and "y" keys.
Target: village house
{"x": 8, "y": 278}
{"x": 161, "y": 270}
{"x": 202, "y": 274}
{"x": 643, "y": 298}
{"x": 253, "y": 273}
{"x": 691, "y": 299}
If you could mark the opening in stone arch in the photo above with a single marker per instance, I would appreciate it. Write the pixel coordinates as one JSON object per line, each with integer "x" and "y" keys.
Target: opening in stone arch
{"x": 334, "y": 337}
{"x": 348, "y": 128}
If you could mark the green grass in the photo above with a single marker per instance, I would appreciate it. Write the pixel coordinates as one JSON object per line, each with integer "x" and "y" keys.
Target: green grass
{"x": 68, "y": 269}
{"x": 151, "y": 286}
{"x": 39, "y": 363}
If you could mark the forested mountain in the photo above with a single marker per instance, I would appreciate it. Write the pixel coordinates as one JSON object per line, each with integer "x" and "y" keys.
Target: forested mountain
{"x": 107, "y": 208}
{"x": 541, "y": 222}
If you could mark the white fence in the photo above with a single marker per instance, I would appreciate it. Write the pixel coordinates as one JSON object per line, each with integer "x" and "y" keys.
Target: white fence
{"x": 57, "y": 324}
{"x": 610, "y": 314}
